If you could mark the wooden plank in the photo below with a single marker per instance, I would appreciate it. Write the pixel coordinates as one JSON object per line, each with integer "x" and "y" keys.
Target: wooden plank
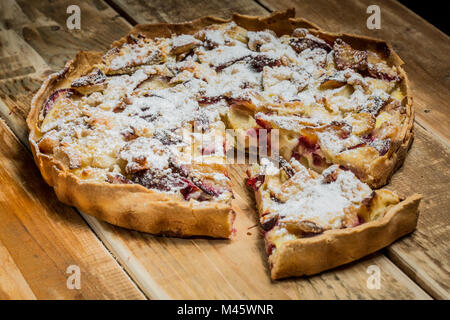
{"x": 424, "y": 255}
{"x": 200, "y": 268}
{"x": 157, "y": 11}
{"x": 422, "y": 47}
{"x": 16, "y": 92}
{"x": 13, "y": 285}
{"x": 40, "y": 238}
{"x": 42, "y": 24}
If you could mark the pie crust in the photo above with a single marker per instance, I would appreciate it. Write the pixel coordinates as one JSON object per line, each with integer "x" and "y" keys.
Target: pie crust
{"x": 336, "y": 247}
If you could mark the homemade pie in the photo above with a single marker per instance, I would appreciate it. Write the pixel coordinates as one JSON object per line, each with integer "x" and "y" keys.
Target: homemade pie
{"x": 137, "y": 136}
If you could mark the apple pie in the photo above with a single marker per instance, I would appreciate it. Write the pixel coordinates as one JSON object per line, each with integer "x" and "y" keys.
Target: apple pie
{"x": 137, "y": 136}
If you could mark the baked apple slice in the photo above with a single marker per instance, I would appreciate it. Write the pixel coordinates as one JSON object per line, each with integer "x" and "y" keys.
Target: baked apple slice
{"x": 92, "y": 82}
{"x": 61, "y": 103}
{"x": 135, "y": 52}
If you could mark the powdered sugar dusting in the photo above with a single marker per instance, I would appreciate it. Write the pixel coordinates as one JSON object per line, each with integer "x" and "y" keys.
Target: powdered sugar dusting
{"x": 156, "y": 88}
{"x": 324, "y": 203}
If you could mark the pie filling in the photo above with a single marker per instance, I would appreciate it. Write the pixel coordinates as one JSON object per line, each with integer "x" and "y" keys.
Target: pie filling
{"x": 154, "y": 113}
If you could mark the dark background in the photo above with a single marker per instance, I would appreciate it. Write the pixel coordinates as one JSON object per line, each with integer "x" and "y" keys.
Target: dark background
{"x": 434, "y": 11}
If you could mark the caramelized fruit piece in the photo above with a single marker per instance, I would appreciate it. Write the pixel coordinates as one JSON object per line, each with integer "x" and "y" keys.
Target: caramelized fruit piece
{"x": 222, "y": 66}
{"x": 189, "y": 190}
{"x": 125, "y": 59}
{"x": 258, "y": 39}
{"x": 308, "y": 143}
{"x": 382, "y": 146}
{"x": 51, "y": 101}
{"x": 256, "y": 182}
{"x": 207, "y": 187}
{"x": 333, "y": 82}
{"x": 362, "y": 123}
{"x": 184, "y": 43}
{"x": 303, "y": 228}
{"x": 237, "y": 33}
{"x": 157, "y": 179}
{"x": 241, "y": 118}
{"x": 259, "y": 62}
{"x": 376, "y": 206}
{"x": 374, "y": 104}
{"x": 347, "y": 57}
{"x": 369, "y": 62}
{"x": 129, "y": 134}
{"x": 342, "y": 129}
{"x": 268, "y": 222}
{"x": 94, "y": 81}
{"x": 378, "y": 68}
{"x": 263, "y": 123}
{"x": 117, "y": 179}
{"x": 68, "y": 156}
{"x": 308, "y": 41}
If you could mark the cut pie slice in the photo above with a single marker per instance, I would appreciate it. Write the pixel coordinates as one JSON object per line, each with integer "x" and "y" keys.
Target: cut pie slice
{"x": 313, "y": 222}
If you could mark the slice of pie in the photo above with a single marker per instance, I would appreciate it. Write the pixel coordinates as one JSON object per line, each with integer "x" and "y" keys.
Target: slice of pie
{"x": 137, "y": 136}
{"x": 312, "y": 222}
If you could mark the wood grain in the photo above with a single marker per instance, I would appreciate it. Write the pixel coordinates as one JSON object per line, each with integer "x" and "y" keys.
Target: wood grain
{"x": 40, "y": 238}
{"x": 421, "y": 46}
{"x": 42, "y": 24}
{"x": 141, "y": 11}
{"x": 424, "y": 256}
{"x": 16, "y": 91}
{"x": 13, "y": 285}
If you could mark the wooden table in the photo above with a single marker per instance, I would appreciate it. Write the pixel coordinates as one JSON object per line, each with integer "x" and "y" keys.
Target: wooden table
{"x": 40, "y": 237}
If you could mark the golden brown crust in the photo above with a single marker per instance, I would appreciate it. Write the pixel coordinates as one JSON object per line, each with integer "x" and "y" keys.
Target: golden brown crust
{"x": 340, "y": 246}
{"x": 142, "y": 209}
